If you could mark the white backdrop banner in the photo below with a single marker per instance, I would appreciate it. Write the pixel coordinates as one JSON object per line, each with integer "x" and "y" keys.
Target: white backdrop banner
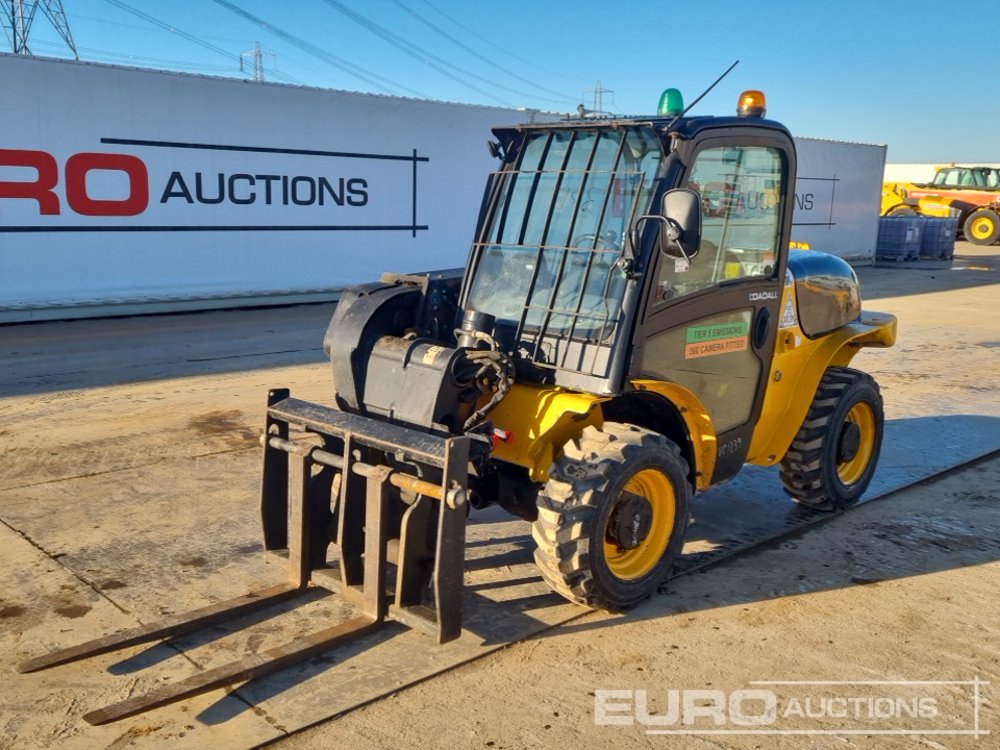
{"x": 119, "y": 184}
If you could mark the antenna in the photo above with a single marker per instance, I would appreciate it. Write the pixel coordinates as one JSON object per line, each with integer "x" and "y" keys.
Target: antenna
{"x": 703, "y": 93}
{"x": 19, "y": 14}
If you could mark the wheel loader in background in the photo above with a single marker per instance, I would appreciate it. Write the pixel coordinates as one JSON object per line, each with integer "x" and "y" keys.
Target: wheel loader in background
{"x": 620, "y": 340}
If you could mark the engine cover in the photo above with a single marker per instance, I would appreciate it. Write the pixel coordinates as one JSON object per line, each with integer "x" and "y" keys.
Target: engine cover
{"x": 420, "y": 383}
{"x": 826, "y": 290}
{"x": 384, "y": 363}
{"x": 365, "y": 314}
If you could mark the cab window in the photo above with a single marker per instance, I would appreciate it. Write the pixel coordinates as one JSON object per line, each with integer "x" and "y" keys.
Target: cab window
{"x": 741, "y": 204}
{"x": 952, "y": 178}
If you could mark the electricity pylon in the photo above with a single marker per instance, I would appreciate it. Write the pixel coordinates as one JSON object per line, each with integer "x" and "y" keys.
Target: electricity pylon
{"x": 18, "y": 16}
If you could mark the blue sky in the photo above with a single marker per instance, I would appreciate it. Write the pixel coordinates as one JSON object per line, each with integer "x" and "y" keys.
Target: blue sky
{"x": 913, "y": 75}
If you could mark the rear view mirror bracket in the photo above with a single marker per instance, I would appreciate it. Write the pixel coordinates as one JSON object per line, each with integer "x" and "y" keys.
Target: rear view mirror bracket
{"x": 680, "y": 211}
{"x": 680, "y": 215}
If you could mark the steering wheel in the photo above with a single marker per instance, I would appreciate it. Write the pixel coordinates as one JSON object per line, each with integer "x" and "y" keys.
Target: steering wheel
{"x": 606, "y": 241}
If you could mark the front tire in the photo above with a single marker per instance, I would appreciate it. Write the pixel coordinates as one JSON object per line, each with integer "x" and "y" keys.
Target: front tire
{"x": 832, "y": 459}
{"x": 612, "y": 517}
{"x": 982, "y": 227}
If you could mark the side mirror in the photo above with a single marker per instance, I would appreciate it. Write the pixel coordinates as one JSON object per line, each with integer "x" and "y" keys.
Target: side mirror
{"x": 680, "y": 235}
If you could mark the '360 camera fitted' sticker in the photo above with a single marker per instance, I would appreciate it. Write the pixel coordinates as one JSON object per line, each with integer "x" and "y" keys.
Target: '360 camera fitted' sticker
{"x": 722, "y": 338}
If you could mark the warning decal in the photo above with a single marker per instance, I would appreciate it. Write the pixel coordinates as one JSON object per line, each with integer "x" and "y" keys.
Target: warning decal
{"x": 789, "y": 318}
{"x": 431, "y": 354}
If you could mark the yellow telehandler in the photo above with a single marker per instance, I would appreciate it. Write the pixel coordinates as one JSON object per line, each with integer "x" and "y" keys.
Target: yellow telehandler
{"x": 630, "y": 329}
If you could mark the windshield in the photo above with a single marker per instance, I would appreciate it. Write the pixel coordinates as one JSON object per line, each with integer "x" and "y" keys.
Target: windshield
{"x": 969, "y": 177}
{"x": 546, "y": 259}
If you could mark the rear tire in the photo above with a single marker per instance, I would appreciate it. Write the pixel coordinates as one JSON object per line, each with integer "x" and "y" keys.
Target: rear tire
{"x": 612, "y": 517}
{"x": 982, "y": 227}
{"x": 832, "y": 458}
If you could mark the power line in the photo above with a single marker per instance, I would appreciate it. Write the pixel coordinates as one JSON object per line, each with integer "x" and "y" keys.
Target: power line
{"x": 162, "y": 25}
{"x": 237, "y": 59}
{"x": 373, "y": 79}
{"x": 281, "y": 75}
{"x": 190, "y": 37}
{"x": 143, "y": 58}
{"x": 161, "y": 63}
{"x": 475, "y": 53}
{"x": 422, "y": 55}
{"x": 106, "y": 22}
{"x": 495, "y": 46}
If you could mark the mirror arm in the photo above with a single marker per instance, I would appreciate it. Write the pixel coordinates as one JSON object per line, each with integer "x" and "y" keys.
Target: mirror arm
{"x": 627, "y": 262}
{"x": 669, "y": 226}
{"x": 635, "y": 228}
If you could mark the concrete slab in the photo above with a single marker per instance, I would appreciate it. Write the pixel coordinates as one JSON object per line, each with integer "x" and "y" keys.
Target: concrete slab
{"x": 507, "y": 601}
{"x": 134, "y": 569}
{"x": 138, "y": 496}
{"x": 45, "y": 603}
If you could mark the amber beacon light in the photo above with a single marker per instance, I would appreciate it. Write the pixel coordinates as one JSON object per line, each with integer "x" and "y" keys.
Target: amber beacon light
{"x": 752, "y": 104}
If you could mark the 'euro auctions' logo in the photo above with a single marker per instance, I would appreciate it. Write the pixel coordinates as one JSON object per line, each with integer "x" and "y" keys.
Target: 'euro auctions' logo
{"x": 745, "y": 708}
{"x": 870, "y": 707}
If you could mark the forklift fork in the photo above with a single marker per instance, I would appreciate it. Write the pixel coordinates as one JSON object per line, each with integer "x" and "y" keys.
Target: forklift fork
{"x": 398, "y": 495}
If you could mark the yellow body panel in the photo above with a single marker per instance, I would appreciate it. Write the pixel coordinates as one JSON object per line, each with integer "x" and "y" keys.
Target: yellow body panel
{"x": 699, "y": 425}
{"x": 894, "y": 196}
{"x": 937, "y": 205}
{"x": 540, "y": 420}
{"x": 796, "y": 369}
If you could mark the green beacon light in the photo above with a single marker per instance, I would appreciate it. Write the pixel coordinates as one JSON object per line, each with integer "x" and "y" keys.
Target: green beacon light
{"x": 671, "y": 103}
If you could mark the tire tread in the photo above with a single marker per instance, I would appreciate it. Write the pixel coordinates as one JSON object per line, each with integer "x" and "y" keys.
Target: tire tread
{"x": 568, "y": 506}
{"x": 802, "y": 466}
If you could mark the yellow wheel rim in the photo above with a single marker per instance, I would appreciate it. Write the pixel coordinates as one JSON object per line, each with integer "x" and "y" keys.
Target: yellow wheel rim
{"x": 630, "y": 564}
{"x": 982, "y": 228}
{"x": 851, "y": 471}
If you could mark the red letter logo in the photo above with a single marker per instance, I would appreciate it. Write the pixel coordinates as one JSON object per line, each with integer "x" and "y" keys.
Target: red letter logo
{"x": 77, "y": 167}
{"x": 39, "y": 190}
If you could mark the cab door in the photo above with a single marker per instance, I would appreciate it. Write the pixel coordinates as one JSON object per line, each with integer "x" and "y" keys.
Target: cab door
{"x": 710, "y": 324}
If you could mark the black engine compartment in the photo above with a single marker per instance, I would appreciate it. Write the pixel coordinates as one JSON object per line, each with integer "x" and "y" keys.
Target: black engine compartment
{"x": 393, "y": 351}
{"x": 397, "y": 356}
